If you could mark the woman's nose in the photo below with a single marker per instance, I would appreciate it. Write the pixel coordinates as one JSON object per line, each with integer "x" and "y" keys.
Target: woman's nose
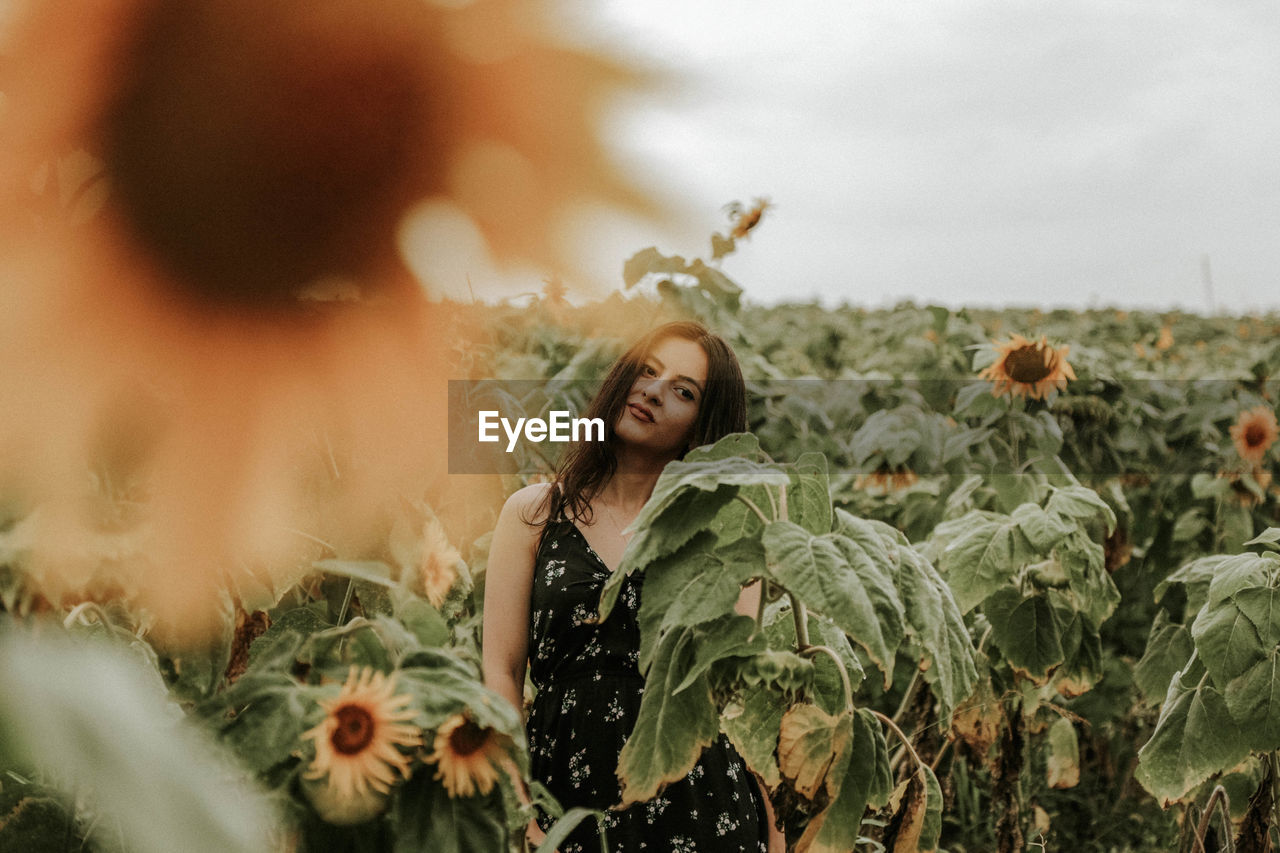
{"x": 651, "y": 388}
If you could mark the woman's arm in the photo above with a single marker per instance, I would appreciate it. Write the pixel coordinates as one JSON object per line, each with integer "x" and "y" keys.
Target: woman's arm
{"x": 508, "y": 583}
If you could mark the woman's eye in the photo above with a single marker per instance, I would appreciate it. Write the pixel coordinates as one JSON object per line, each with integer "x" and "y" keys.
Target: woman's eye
{"x": 649, "y": 371}
{"x": 685, "y": 392}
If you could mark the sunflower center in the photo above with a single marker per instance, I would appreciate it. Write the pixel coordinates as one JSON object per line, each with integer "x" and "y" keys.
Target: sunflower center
{"x": 354, "y": 730}
{"x": 1255, "y": 435}
{"x": 467, "y": 739}
{"x": 1029, "y": 364}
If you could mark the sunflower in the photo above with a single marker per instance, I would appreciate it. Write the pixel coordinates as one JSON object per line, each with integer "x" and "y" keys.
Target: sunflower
{"x": 356, "y": 747}
{"x": 886, "y": 480}
{"x": 468, "y": 756}
{"x": 1254, "y": 432}
{"x": 1028, "y": 369}
{"x": 204, "y": 260}
{"x": 438, "y": 570}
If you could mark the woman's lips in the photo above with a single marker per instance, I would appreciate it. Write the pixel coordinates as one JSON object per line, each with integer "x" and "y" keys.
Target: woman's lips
{"x": 641, "y": 412}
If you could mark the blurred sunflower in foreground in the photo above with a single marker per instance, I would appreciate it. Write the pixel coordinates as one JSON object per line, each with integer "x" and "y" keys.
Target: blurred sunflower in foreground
{"x": 1026, "y": 368}
{"x": 357, "y": 748}
{"x": 210, "y": 338}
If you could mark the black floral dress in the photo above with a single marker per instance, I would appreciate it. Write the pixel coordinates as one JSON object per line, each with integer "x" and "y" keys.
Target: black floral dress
{"x": 588, "y": 697}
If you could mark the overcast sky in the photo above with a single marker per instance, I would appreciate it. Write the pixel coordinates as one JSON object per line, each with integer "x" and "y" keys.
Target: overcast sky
{"x": 1078, "y": 153}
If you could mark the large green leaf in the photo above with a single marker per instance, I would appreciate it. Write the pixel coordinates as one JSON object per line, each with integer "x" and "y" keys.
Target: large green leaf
{"x": 94, "y": 718}
{"x": 1027, "y": 630}
{"x": 937, "y": 636}
{"x": 1194, "y": 738}
{"x": 672, "y": 728}
{"x": 1044, "y": 530}
{"x": 1082, "y": 503}
{"x": 1254, "y": 702}
{"x": 809, "y": 495}
{"x": 1228, "y": 641}
{"x": 1168, "y": 649}
{"x": 696, "y": 584}
{"x": 983, "y": 559}
{"x": 1094, "y": 593}
{"x": 752, "y": 725}
{"x": 427, "y": 818}
{"x": 817, "y": 570}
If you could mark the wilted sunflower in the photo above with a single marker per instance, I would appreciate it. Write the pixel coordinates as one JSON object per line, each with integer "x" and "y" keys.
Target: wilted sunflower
{"x": 357, "y": 747}
{"x": 1254, "y": 432}
{"x": 438, "y": 570}
{"x": 468, "y": 756}
{"x": 1028, "y": 369}
{"x": 175, "y": 176}
{"x": 886, "y": 480}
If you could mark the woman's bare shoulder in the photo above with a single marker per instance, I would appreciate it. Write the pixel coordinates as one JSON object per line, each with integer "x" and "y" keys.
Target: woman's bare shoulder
{"x": 528, "y": 503}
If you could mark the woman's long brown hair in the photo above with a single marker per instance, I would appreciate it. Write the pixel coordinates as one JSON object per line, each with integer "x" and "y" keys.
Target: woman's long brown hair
{"x": 588, "y": 465}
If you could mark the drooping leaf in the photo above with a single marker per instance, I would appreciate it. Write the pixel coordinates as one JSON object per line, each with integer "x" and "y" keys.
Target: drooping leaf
{"x": 1227, "y": 640}
{"x": 983, "y": 559}
{"x": 687, "y": 514}
{"x": 1195, "y": 737}
{"x": 1027, "y": 630}
{"x": 94, "y": 718}
{"x": 816, "y": 570}
{"x": 1044, "y": 530}
{"x": 1080, "y": 502}
{"x": 916, "y": 822}
{"x": 809, "y": 495}
{"x": 1063, "y": 766}
{"x": 867, "y": 781}
{"x": 427, "y": 818}
{"x": 731, "y": 635}
{"x": 1168, "y": 650}
{"x": 671, "y": 729}
{"x": 810, "y": 741}
{"x": 1253, "y": 699}
{"x": 752, "y": 725}
{"x": 696, "y": 584}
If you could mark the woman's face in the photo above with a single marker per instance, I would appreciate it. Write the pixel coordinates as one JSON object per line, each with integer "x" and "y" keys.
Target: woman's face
{"x": 664, "y": 399}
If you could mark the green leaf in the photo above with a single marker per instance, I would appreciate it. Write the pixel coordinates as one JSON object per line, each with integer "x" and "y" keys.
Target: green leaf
{"x": 1044, "y": 530}
{"x": 817, "y": 570}
{"x": 650, "y": 261}
{"x": 1227, "y": 639}
{"x": 1169, "y": 648}
{"x": 1195, "y": 738}
{"x": 565, "y": 825}
{"x": 696, "y": 584}
{"x": 427, "y": 818}
{"x": 809, "y": 495}
{"x": 671, "y": 729}
{"x": 91, "y": 716}
{"x": 724, "y": 637}
{"x": 1082, "y": 503}
{"x": 752, "y": 725}
{"x": 1270, "y": 536}
{"x": 370, "y": 571}
{"x": 936, "y": 634}
{"x": 1254, "y": 702}
{"x": 1027, "y": 630}
{"x": 982, "y": 560}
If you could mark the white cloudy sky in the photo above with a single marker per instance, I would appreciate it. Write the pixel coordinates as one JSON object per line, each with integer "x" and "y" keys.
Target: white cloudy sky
{"x": 1077, "y": 152}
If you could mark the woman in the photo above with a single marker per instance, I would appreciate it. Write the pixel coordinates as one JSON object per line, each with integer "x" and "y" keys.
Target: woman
{"x": 554, "y": 547}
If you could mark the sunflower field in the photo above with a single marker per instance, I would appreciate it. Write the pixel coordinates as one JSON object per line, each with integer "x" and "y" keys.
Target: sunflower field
{"x": 1021, "y": 567}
